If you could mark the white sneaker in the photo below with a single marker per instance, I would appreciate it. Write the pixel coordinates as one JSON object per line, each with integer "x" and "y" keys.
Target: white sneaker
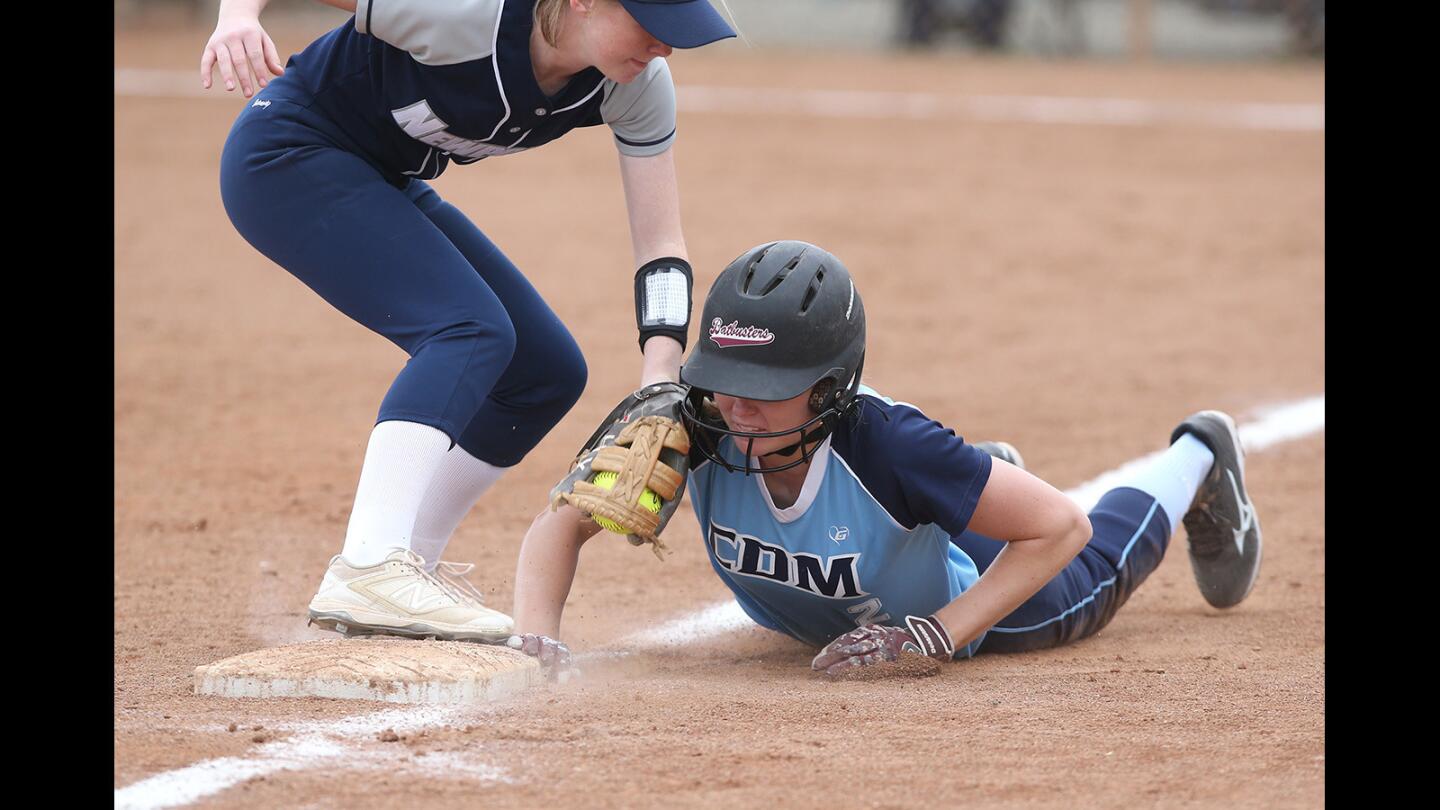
{"x": 397, "y": 597}
{"x": 452, "y": 576}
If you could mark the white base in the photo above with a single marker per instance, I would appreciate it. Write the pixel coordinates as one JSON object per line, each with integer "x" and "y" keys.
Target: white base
{"x": 391, "y": 670}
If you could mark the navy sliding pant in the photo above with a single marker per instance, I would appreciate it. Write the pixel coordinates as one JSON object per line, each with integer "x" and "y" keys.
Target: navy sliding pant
{"x": 1128, "y": 541}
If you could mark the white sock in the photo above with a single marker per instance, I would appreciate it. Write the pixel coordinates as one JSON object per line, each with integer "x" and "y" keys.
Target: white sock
{"x": 458, "y": 483}
{"x": 400, "y": 461}
{"x": 1175, "y": 476}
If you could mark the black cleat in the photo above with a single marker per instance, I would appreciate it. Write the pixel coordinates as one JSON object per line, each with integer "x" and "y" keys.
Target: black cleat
{"x": 1223, "y": 528}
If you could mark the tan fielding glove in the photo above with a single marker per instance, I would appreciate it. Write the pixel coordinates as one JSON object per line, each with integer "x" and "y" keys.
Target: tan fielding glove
{"x": 643, "y": 442}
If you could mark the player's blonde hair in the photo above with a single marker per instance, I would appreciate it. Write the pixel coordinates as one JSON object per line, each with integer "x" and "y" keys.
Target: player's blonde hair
{"x": 547, "y": 16}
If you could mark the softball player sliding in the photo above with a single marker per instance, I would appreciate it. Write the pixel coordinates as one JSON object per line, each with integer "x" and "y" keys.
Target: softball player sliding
{"x": 859, "y": 525}
{"x": 324, "y": 172}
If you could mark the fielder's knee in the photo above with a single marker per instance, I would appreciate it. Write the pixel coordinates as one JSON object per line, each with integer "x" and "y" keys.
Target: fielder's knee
{"x": 571, "y": 374}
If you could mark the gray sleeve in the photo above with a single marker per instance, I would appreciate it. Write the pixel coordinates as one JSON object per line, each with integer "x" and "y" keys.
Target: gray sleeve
{"x": 642, "y": 113}
{"x": 435, "y": 32}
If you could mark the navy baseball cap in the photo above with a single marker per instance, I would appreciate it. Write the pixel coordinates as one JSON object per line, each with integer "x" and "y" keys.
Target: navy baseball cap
{"x": 679, "y": 23}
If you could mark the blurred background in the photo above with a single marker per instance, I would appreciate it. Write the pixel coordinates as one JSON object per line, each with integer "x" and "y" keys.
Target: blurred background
{"x": 1107, "y": 29}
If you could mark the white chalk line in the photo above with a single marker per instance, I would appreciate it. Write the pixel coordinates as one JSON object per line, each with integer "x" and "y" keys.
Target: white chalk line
{"x": 1276, "y": 424}
{"x": 321, "y": 744}
{"x": 885, "y": 104}
{"x": 317, "y": 744}
{"x": 719, "y": 618}
{"x": 202, "y": 779}
{"x": 195, "y": 782}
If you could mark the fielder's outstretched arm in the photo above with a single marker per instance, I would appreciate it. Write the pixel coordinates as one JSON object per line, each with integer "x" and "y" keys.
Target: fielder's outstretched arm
{"x": 549, "y": 555}
{"x": 652, "y": 201}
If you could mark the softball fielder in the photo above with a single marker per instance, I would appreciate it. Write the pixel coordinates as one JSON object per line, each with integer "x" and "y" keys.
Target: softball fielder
{"x": 861, "y": 526}
{"x": 325, "y": 173}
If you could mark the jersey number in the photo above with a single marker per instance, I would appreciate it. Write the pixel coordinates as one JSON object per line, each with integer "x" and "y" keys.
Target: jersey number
{"x": 868, "y": 612}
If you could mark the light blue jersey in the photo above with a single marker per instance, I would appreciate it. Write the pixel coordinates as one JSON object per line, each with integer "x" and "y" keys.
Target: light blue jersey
{"x": 869, "y": 538}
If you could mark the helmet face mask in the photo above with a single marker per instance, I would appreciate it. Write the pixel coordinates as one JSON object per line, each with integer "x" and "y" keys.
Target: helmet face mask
{"x": 707, "y": 429}
{"x": 784, "y": 319}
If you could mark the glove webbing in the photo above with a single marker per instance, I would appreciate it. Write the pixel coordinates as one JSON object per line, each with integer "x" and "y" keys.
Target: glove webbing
{"x": 640, "y": 437}
{"x": 636, "y": 469}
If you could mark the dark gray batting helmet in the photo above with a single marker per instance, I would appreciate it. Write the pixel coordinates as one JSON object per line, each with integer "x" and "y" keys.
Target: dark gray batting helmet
{"x": 782, "y": 318}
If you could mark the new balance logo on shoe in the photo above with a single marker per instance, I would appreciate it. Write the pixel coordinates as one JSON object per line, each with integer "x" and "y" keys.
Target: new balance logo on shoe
{"x": 418, "y": 597}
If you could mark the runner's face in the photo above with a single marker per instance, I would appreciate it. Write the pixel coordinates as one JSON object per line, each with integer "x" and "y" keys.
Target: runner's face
{"x": 619, "y": 47}
{"x": 760, "y": 416}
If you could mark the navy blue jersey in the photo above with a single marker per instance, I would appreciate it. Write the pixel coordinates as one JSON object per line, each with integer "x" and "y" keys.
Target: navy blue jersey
{"x": 869, "y": 538}
{"x": 417, "y": 84}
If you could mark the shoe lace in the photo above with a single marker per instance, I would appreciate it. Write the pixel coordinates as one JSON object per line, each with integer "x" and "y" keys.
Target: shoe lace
{"x": 443, "y": 585}
{"x": 453, "y": 574}
{"x": 1205, "y": 537}
{"x": 1207, "y": 527}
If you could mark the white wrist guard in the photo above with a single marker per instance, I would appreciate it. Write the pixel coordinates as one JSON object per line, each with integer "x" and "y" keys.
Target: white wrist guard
{"x": 662, "y": 299}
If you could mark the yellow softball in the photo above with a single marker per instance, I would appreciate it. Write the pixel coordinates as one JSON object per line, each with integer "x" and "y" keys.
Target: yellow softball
{"x": 606, "y": 480}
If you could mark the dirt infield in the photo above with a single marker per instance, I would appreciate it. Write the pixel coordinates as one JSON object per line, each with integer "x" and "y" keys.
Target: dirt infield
{"x": 1073, "y": 289}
